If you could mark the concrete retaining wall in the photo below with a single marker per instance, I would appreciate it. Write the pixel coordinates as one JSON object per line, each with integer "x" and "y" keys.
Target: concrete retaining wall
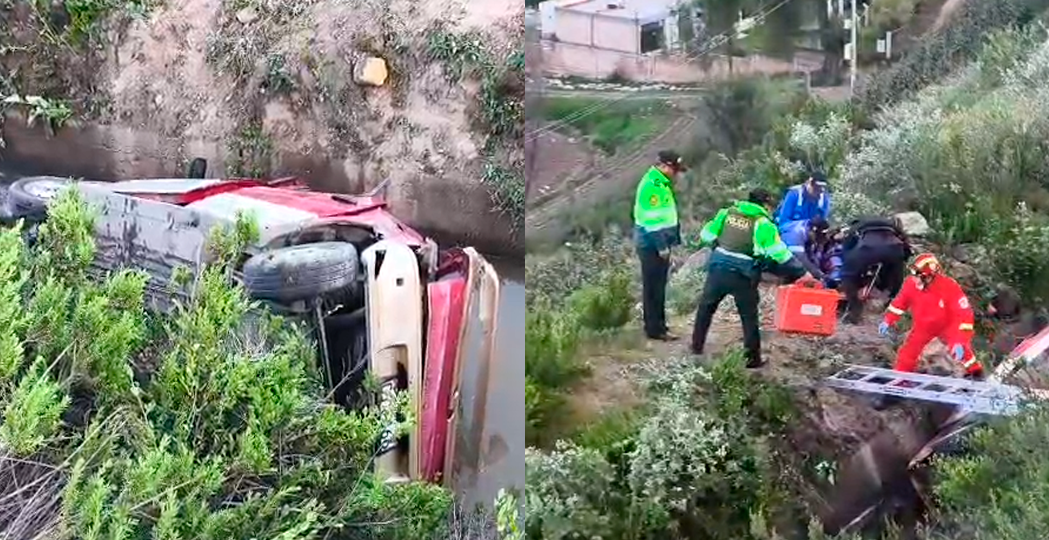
{"x": 453, "y": 210}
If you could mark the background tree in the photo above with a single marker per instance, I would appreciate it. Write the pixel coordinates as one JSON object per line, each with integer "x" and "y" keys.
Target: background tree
{"x": 780, "y": 30}
{"x": 721, "y": 17}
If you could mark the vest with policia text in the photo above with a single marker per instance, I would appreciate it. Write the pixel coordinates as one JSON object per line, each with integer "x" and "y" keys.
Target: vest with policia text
{"x": 737, "y": 233}
{"x": 654, "y": 206}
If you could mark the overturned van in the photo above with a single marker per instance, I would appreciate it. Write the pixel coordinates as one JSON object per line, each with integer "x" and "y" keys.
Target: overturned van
{"x": 382, "y": 297}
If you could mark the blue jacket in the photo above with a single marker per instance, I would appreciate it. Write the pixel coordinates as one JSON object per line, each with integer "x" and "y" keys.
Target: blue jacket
{"x": 798, "y": 204}
{"x": 831, "y": 261}
{"x": 795, "y": 234}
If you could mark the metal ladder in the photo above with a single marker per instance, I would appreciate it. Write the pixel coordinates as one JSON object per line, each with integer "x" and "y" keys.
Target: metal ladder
{"x": 979, "y": 397}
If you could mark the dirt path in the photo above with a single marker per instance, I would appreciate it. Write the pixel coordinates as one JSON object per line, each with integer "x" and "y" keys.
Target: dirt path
{"x": 582, "y": 189}
{"x": 948, "y": 9}
{"x": 833, "y": 418}
{"x": 832, "y": 427}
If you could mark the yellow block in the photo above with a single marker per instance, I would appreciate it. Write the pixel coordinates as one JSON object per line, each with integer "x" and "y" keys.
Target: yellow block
{"x": 372, "y": 71}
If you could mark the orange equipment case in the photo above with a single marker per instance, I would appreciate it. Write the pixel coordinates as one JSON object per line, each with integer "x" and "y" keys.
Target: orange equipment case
{"x": 806, "y": 308}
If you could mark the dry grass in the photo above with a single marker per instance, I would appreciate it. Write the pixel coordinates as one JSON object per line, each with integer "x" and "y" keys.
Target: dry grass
{"x": 30, "y": 499}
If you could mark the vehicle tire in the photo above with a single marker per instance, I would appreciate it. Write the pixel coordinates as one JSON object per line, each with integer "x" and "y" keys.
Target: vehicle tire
{"x": 301, "y": 272}
{"x": 28, "y": 197}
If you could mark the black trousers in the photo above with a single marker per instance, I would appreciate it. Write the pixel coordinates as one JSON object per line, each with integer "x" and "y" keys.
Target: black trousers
{"x": 655, "y": 271}
{"x": 893, "y": 261}
{"x": 720, "y": 283}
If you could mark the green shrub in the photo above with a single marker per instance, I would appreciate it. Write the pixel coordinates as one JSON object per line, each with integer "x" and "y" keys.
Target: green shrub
{"x": 569, "y": 494}
{"x": 1001, "y": 475}
{"x": 760, "y": 404}
{"x": 684, "y": 289}
{"x": 534, "y": 399}
{"x": 646, "y": 485}
{"x": 223, "y": 431}
{"x": 553, "y": 340}
{"x": 574, "y": 492}
{"x": 545, "y": 409}
{"x": 1019, "y": 255}
{"x": 34, "y": 411}
{"x": 554, "y": 277}
{"x": 551, "y": 367}
{"x": 611, "y": 431}
{"x": 605, "y": 305}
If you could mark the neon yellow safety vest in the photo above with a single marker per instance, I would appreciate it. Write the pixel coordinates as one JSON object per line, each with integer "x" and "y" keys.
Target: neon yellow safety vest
{"x": 655, "y": 207}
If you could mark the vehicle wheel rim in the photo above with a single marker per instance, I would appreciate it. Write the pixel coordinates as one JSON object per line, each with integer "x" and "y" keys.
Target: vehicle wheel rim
{"x": 44, "y": 189}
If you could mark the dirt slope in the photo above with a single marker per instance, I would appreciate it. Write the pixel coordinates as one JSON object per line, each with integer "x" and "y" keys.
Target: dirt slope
{"x": 161, "y": 77}
{"x": 833, "y": 425}
{"x": 595, "y": 181}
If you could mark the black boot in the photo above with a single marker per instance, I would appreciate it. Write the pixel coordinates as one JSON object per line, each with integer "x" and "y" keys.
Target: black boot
{"x": 754, "y": 361}
{"x": 853, "y": 304}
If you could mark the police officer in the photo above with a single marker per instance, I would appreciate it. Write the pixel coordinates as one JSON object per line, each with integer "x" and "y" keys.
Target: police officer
{"x": 868, "y": 243}
{"x": 656, "y": 230}
{"x": 745, "y": 242}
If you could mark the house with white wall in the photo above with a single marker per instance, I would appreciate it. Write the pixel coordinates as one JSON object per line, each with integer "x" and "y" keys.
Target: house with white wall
{"x": 626, "y": 26}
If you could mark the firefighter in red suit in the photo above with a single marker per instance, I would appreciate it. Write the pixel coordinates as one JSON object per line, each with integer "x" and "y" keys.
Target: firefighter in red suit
{"x": 939, "y": 309}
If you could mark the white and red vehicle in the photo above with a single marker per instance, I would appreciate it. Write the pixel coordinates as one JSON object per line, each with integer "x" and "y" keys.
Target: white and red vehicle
{"x": 889, "y": 472}
{"x": 386, "y": 297}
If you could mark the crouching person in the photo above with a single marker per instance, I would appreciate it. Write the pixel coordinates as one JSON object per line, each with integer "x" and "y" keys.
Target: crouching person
{"x": 869, "y": 244}
{"x": 744, "y": 241}
{"x": 939, "y": 310}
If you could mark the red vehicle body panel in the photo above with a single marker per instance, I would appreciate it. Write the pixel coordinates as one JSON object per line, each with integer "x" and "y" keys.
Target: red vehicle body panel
{"x": 447, "y": 307}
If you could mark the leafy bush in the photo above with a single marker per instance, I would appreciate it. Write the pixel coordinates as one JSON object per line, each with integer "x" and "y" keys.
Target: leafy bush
{"x": 660, "y": 471}
{"x": 569, "y": 494}
{"x": 689, "y": 467}
{"x": 551, "y": 367}
{"x": 684, "y": 289}
{"x": 611, "y": 431}
{"x": 554, "y": 277}
{"x": 1001, "y": 475}
{"x": 605, "y": 305}
{"x": 534, "y": 402}
{"x": 553, "y": 340}
{"x": 1020, "y": 255}
{"x": 218, "y": 429}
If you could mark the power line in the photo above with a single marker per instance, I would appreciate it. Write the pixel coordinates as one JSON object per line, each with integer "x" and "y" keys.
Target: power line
{"x": 712, "y": 44}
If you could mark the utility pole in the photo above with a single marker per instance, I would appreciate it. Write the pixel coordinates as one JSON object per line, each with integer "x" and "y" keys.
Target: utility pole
{"x": 853, "y": 46}
{"x": 534, "y": 87}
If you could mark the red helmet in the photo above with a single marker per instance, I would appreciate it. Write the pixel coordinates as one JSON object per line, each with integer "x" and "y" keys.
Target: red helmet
{"x": 925, "y": 264}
